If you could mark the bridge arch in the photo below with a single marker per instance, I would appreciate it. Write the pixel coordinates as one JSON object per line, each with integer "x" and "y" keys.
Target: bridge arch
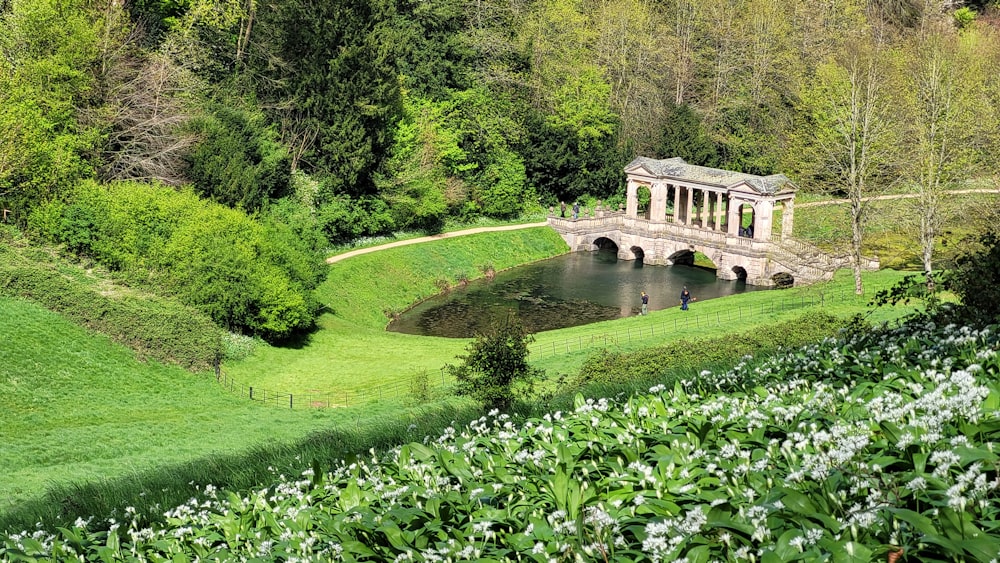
{"x": 639, "y": 255}
{"x": 740, "y": 272}
{"x": 783, "y": 280}
{"x": 605, "y": 243}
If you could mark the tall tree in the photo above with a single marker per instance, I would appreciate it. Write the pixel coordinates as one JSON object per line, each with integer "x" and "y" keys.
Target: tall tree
{"x": 635, "y": 63}
{"x": 329, "y": 79}
{"x": 855, "y": 137}
{"x": 945, "y": 109}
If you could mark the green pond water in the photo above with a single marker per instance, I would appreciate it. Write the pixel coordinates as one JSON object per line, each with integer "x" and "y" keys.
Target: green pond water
{"x": 569, "y": 290}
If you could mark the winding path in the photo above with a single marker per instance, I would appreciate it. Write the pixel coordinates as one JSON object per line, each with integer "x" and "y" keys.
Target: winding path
{"x": 339, "y": 257}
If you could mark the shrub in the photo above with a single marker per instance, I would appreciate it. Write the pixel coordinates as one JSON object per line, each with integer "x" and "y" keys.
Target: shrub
{"x": 248, "y": 276}
{"x": 496, "y": 366}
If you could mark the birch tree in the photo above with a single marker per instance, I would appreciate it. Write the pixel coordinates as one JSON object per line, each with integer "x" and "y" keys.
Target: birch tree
{"x": 855, "y": 135}
{"x": 942, "y": 102}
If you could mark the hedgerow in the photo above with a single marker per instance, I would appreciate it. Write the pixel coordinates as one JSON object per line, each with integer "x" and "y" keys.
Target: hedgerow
{"x": 653, "y": 364}
{"x": 154, "y": 327}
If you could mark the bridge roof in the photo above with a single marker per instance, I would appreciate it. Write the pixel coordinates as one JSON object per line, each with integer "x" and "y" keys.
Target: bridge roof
{"x": 676, "y": 168}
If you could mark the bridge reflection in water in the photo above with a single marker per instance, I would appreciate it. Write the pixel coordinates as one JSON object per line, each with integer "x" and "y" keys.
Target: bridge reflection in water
{"x": 573, "y": 289}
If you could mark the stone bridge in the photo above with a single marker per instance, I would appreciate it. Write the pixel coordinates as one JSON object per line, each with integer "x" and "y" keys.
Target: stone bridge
{"x": 727, "y": 216}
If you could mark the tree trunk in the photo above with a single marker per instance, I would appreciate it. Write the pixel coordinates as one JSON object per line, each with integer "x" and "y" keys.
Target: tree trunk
{"x": 856, "y": 237}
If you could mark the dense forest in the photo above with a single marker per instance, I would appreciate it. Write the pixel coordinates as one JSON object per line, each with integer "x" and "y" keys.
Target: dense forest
{"x": 214, "y": 149}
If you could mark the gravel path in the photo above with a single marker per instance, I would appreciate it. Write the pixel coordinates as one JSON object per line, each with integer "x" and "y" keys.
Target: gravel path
{"x": 339, "y": 257}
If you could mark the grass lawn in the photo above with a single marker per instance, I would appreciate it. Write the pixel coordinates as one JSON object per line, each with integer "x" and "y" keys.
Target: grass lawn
{"x": 74, "y": 406}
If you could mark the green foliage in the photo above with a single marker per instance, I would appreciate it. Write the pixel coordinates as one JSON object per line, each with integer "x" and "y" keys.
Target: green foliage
{"x": 745, "y": 145}
{"x": 565, "y": 167}
{"x": 343, "y": 218}
{"x": 238, "y": 161}
{"x": 964, "y": 17}
{"x": 495, "y": 369}
{"x": 431, "y": 53}
{"x": 682, "y": 356}
{"x": 685, "y": 136}
{"x": 154, "y": 327}
{"x": 46, "y": 52}
{"x": 977, "y": 281}
{"x": 247, "y": 276}
{"x": 336, "y": 91}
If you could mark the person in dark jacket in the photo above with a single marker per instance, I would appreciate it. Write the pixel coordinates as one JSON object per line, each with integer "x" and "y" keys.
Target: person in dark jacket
{"x": 685, "y": 298}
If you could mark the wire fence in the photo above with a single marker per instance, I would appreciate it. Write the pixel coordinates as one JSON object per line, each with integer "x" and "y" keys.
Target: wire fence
{"x": 420, "y": 381}
{"x": 418, "y": 384}
{"x": 680, "y": 322}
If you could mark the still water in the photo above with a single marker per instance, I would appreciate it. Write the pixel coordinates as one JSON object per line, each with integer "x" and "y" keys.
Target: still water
{"x": 569, "y": 290}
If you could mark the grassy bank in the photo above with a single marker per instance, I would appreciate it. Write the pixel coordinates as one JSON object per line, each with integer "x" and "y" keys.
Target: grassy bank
{"x": 367, "y": 290}
{"x": 77, "y": 407}
{"x": 892, "y": 230}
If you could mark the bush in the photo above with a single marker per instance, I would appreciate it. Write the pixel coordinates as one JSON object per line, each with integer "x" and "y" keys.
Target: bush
{"x": 247, "y": 276}
{"x": 976, "y": 280}
{"x": 496, "y": 366}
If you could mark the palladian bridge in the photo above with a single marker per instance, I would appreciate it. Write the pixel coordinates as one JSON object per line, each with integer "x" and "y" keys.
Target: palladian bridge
{"x": 741, "y": 222}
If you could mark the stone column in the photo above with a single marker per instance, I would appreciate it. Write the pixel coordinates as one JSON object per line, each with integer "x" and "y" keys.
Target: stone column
{"x": 658, "y": 202}
{"x": 787, "y": 218}
{"x": 677, "y": 204}
{"x": 720, "y": 214}
{"x": 689, "y": 217}
{"x": 732, "y": 212}
{"x": 632, "y": 199}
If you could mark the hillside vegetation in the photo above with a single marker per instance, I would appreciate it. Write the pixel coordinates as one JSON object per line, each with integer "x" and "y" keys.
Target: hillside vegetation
{"x": 850, "y": 448}
{"x": 198, "y": 147}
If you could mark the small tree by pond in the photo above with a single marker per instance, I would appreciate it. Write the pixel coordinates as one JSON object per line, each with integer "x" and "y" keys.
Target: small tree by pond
{"x": 496, "y": 368}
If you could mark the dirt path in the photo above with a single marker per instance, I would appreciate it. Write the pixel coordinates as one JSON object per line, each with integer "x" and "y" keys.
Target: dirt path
{"x": 339, "y": 257}
{"x": 894, "y": 196}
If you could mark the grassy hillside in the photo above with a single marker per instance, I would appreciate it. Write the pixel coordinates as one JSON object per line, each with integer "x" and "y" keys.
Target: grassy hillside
{"x": 75, "y": 406}
{"x": 847, "y": 450}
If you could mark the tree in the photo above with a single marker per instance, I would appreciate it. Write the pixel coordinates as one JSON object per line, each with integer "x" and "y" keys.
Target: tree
{"x": 238, "y": 160}
{"x": 496, "y": 366}
{"x": 945, "y": 116}
{"x": 855, "y": 139}
{"x": 684, "y": 136}
{"x": 47, "y": 50}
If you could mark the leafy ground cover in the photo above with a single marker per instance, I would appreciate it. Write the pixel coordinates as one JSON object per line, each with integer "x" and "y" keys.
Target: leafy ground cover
{"x": 843, "y": 450}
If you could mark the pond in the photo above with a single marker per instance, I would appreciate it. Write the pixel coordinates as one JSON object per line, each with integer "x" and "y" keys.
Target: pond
{"x": 569, "y": 290}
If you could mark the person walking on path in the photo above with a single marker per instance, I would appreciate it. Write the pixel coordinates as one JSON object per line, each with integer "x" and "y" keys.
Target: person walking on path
{"x": 645, "y": 302}
{"x": 576, "y": 210}
{"x": 685, "y": 297}
{"x": 562, "y": 209}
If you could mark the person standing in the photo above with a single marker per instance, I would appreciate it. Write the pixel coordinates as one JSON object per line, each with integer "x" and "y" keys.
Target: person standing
{"x": 562, "y": 209}
{"x": 685, "y": 297}
{"x": 576, "y": 210}
{"x": 645, "y": 303}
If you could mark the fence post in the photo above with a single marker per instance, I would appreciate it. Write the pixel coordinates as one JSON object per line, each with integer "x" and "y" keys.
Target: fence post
{"x": 290, "y": 400}
{"x": 251, "y": 392}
